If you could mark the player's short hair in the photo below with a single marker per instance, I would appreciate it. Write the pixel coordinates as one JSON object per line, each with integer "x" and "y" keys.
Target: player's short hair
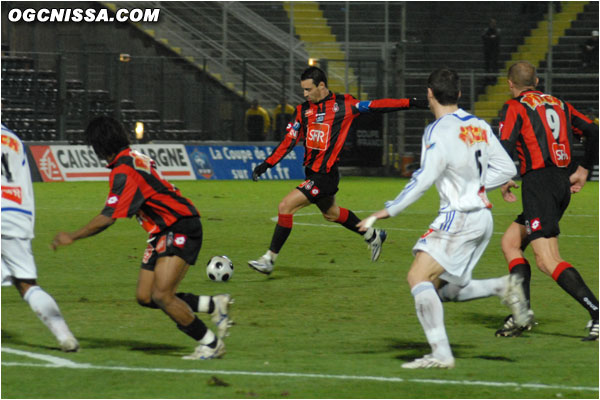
{"x": 316, "y": 74}
{"x": 107, "y": 136}
{"x": 445, "y": 85}
{"x": 522, "y": 74}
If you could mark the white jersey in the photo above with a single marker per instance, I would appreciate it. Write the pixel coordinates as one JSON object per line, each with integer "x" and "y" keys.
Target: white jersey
{"x": 18, "y": 208}
{"x": 463, "y": 157}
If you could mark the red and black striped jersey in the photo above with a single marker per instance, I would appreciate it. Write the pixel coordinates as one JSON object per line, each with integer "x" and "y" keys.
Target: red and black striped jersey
{"x": 324, "y": 127}
{"x": 541, "y": 127}
{"x": 137, "y": 188}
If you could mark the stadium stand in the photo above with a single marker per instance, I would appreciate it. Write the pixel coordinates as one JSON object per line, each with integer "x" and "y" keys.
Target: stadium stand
{"x": 253, "y": 49}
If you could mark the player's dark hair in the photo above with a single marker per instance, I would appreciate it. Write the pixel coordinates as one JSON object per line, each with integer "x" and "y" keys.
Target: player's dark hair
{"x": 107, "y": 136}
{"x": 445, "y": 85}
{"x": 522, "y": 74}
{"x": 314, "y": 73}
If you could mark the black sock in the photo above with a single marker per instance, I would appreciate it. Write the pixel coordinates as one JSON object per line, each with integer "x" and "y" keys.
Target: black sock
{"x": 571, "y": 282}
{"x": 191, "y": 300}
{"x": 280, "y": 235}
{"x": 196, "y": 330}
{"x": 521, "y": 266}
{"x": 348, "y": 220}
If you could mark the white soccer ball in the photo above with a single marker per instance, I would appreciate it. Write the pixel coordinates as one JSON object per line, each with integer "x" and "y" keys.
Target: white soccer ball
{"x": 219, "y": 269}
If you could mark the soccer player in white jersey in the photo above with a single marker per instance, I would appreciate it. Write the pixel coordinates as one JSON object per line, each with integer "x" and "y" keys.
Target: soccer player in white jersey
{"x": 461, "y": 155}
{"x": 18, "y": 216}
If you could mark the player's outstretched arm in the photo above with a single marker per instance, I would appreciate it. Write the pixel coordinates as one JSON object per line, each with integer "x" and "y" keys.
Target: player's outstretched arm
{"x": 389, "y": 105}
{"x": 96, "y": 225}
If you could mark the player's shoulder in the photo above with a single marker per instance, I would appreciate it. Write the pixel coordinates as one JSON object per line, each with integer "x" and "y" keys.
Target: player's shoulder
{"x": 11, "y": 139}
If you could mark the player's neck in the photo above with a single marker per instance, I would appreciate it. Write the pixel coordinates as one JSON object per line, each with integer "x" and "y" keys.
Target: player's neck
{"x": 440, "y": 110}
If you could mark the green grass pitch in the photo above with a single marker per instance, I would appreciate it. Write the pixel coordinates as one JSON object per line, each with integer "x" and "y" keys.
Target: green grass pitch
{"x": 327, "y": 323}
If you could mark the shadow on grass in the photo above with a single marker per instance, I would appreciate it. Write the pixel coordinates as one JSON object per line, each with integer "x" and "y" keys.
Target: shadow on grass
{"x": 494, "y": 323}
{"x": 12, "y": 338}
{"x": 288, "y": 272}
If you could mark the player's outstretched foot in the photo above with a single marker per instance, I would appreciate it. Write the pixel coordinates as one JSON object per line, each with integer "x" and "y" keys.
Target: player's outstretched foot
{"x": 429, "y": 361}
{"x": 514, "y": 298}
{"x": 511, "y": 329}
{"x": 69, "y": 345}
{"x": 262, "y": 265}
{"x": 204, "y": 352}
{"x": 375, "y": 238}
{"x": 220, "y": 315}
{"x": 593, "y": 327}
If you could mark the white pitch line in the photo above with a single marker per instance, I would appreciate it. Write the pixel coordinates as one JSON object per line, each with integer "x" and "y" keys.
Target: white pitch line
{"x": 56, "y": 362}
{"x": 330, "y": 225}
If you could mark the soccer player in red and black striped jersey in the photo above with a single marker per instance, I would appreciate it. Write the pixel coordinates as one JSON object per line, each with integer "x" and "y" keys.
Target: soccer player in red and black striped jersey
{"x": 324, "y": 122}
{"x": 541, "y": 129}
{"x": 173, "y": 222}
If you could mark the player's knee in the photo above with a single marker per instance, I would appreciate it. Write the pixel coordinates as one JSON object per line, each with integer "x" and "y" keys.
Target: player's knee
{"x": 162, "y": 298}
{"x": 510, "y": 243}
{"x": 284, "y": 207}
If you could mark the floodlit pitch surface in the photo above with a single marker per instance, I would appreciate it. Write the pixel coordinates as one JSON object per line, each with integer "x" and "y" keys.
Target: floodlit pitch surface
{"x": 327, "y": 323}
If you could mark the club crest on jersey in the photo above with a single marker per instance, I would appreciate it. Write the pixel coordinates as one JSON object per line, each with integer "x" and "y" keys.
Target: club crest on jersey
{"x": 473, "y": 134}
{"x": 307, "y": 184}
{"x": 534, "y": 100}
{"x": 336, "y": 108}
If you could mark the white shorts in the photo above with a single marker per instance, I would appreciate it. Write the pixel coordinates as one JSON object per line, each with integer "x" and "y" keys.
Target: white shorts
{"x": 17, "y": 260}
{"x": 456, "y": 240}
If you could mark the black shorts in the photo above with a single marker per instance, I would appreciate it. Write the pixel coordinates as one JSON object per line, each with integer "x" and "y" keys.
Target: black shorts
{"x": 318, "y": 186}
{"x": 545, "y": 194}
{"x": 182, "y": 239}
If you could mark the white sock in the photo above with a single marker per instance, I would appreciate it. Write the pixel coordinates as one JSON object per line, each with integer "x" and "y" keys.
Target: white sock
{"x": 271, "y": 256}
{"x": 203, "y": 303}
{"x": 475, "y": 289}
{"x": 431, "y": 315}
{"x": 44, "y": 306}
{"x": 208, "y": 337}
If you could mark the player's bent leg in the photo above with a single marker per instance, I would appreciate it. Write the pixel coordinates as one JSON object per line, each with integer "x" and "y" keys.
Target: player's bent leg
{"x": 168, "y": 273}
{"x": 567, "y": 277}
{"x": 47, "y": 310}
{"x": 289, "y": 205}
{"x": 475, "y": 289}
